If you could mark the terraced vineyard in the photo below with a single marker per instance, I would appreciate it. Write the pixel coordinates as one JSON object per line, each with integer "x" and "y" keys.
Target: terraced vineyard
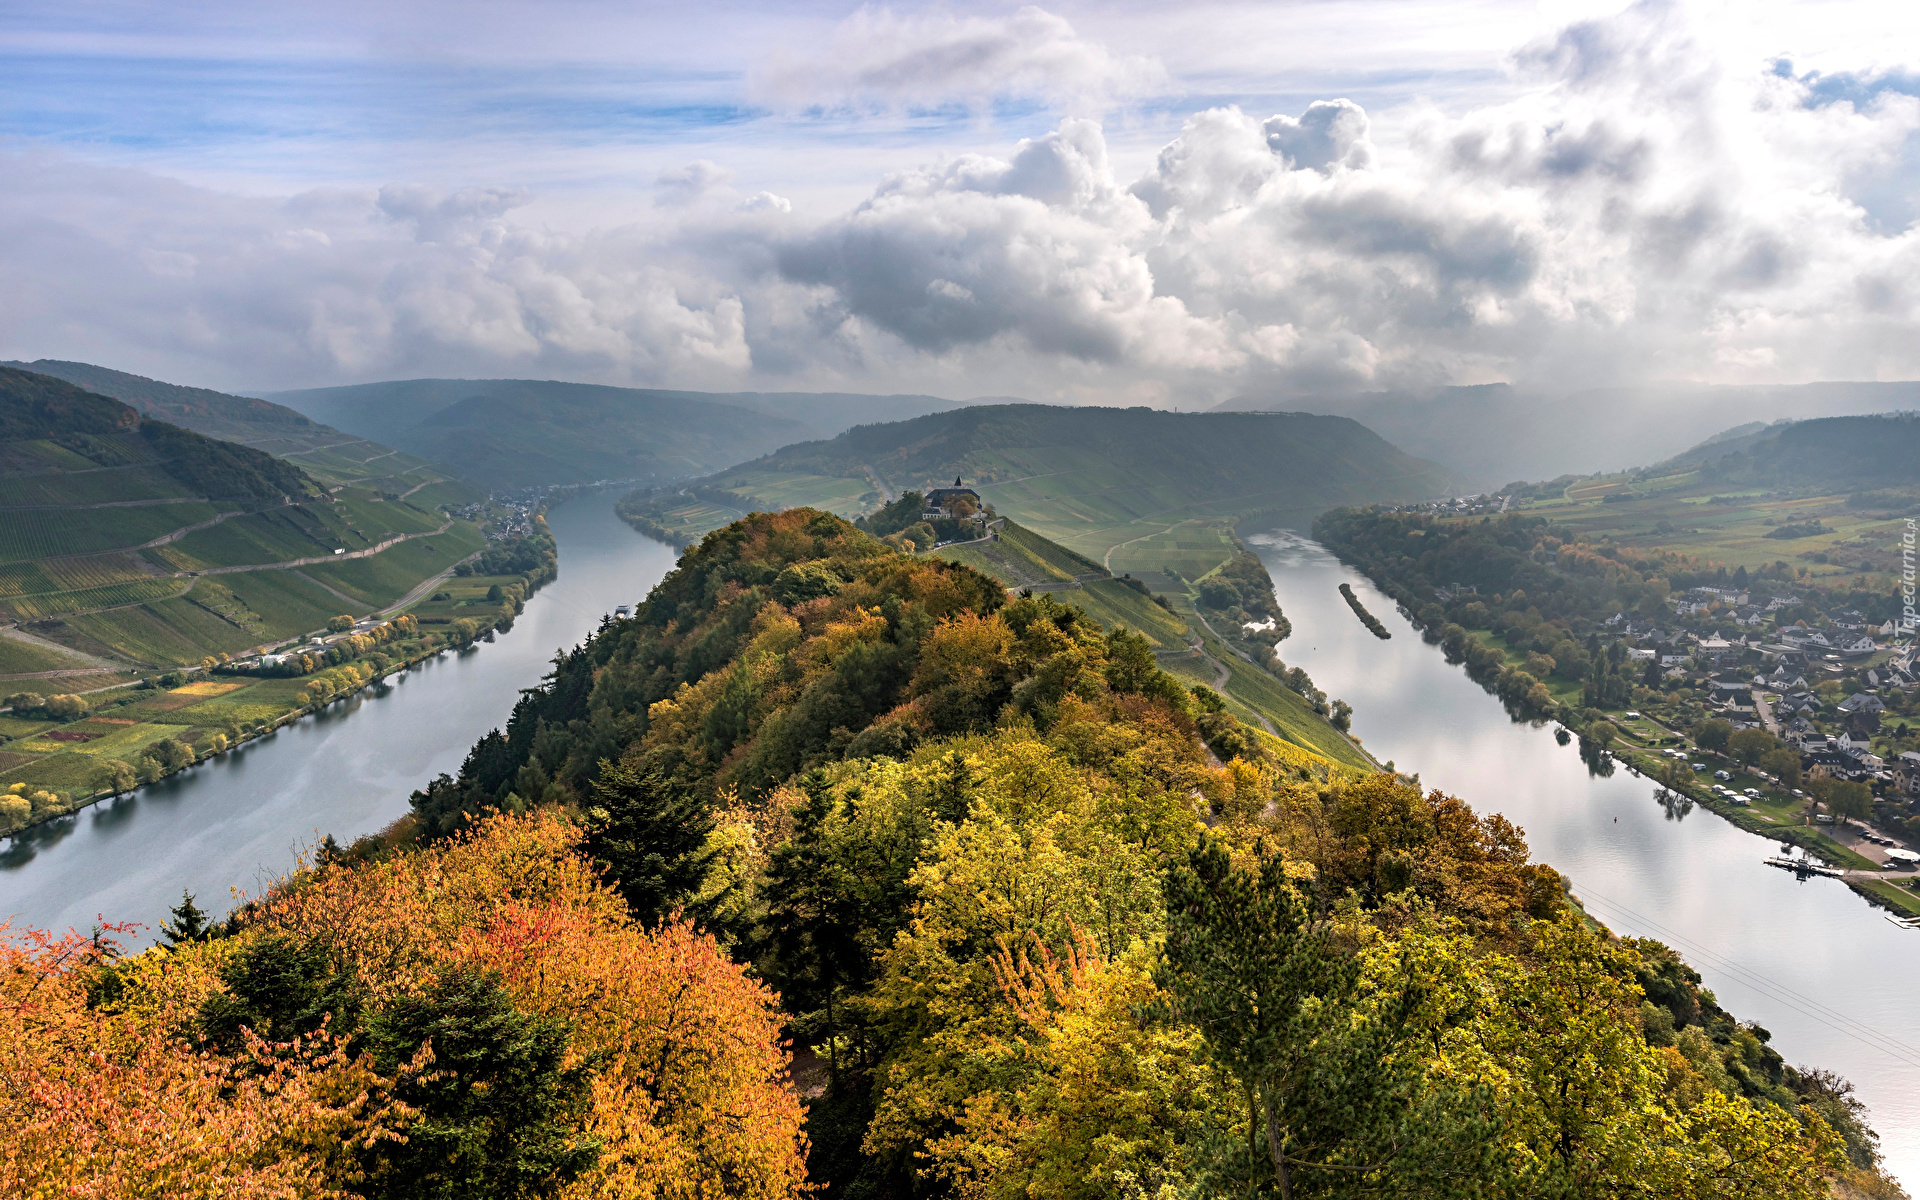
{"x": 148, "y": 546}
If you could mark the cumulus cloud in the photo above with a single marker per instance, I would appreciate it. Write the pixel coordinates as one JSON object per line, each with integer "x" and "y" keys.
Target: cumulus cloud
{"x": 1643, "y": 209}
{"x": 879, "y": 59}
{"x": 1640, "y": 208}
{"x": 339, "y": 284}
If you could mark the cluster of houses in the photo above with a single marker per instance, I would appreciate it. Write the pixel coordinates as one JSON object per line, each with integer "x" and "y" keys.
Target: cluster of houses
{"x": 317, "y": 644}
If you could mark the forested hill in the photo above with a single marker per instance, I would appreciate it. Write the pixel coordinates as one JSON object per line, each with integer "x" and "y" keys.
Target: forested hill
{"x": 337, "y": 459}
{"x": 50, "y": 423}
{"x": 1839, "y": 454}
{"x": 216, "y": 414}
{"x": 517, "y": 431}
{"x": 1056, "y": 925}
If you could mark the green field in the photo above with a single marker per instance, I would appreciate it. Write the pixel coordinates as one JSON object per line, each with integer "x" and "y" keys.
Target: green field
{"x": 20, "y": 658}
{"x": 385, "y": 577}
{"x": 1730, "y": 524}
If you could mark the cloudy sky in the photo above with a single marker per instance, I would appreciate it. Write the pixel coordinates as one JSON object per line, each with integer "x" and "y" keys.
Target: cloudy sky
{"x": 1130, "y": 202}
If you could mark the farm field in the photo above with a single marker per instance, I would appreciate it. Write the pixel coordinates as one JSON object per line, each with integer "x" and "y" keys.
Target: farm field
{"x": 1731, "y": 525}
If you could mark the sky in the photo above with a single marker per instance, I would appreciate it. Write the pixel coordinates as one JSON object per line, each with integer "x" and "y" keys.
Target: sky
{"x": 1115, "y": 203}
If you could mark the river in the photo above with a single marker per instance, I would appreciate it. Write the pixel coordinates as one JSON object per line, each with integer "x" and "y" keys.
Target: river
{"x": 235, "y": 822}
{"x": 1833, "y": 981}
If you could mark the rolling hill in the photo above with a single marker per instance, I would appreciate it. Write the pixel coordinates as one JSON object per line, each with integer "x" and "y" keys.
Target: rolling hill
{"x": 336, "y": 459}
{"x": 514, "y": 432}
{"x": 128, "y": 543}
{"x": 1835, "y": 453}
{"x": 1092, "y": 479}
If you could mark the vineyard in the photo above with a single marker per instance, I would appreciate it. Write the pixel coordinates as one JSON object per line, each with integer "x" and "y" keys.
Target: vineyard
{"x": 44, "y": 533}
{"x": 33, "y": 608}
{"x": 91, "y": 487}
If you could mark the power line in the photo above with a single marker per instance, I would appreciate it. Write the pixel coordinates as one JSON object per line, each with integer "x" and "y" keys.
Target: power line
{"x": 1778, "y": 992}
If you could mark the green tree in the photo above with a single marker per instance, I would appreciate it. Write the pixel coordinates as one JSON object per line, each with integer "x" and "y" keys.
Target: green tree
{"x": 1783, "y": 764}
{"x": 1712, "y": 733}
{"x": 651, "y": 833}
{"x": 189, "y": 923}
{"x": 118, "y": 777}
{"x": 1601, "y": 733}
{"x": 499, "y": 1111}
{"x": 1328, "y": 1069}
{"x": 339, "y": 624}
{"x": 1850, "y": 800}
{"x": 1750, "y": 745}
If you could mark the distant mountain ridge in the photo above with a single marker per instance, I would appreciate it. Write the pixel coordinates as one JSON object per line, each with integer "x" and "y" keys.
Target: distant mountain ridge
{"x": 519, "y": 431}
{"x": 1837, "y": 453}
{"x": 1087, "y": 477}
{"x": 1494, "y": 433}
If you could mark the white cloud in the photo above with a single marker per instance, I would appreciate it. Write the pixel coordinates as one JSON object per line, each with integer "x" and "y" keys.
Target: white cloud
{"x": 1641, "y": 205}
{"x": 879, "y": 59}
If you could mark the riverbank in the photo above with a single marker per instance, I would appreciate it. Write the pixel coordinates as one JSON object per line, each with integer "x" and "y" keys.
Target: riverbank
{"x": 141, "y": 734}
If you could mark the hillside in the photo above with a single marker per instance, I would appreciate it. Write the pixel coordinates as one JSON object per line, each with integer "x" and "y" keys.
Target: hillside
{"x": 1492, "y": 433}
{"x": 1092, "y": 479}
{"x": 1258, "y": 688}
{"x": 511, "y": 432}
{"x": 336, "y": 459}
{"x": 1830, "y": 453}
{"x": 128, "y": 543}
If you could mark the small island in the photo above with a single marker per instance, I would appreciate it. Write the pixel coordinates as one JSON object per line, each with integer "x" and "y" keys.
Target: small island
{"x": 1360, "y": 610}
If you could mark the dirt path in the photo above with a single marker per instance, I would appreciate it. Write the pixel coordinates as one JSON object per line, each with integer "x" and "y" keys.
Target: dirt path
{"x": 423, "y": 588}
{"x": 1107, "y": 562}
{"x": 291, "y": 563}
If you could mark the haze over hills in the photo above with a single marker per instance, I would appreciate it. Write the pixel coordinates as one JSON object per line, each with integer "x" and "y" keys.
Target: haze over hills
{"x": 1088, "y": 476}
{"x": 519, "y": 431}
{"x": 1491, "y": 434}
{"x": 337, "y": 459}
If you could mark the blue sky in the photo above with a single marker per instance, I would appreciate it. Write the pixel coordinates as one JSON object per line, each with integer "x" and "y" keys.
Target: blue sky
{"x": 277, "y": 194}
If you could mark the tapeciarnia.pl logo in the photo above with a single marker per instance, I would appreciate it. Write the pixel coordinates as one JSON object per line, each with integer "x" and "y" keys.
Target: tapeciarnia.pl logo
{"x": 1908, "y": 619}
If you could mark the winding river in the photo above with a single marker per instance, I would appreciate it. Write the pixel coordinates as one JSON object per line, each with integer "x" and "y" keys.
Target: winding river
{"x": 235, "y": 822}
{"x": 1836, "y": 984}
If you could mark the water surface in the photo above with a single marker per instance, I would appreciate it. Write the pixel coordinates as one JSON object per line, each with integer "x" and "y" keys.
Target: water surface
{"x": 1835, "y": 983}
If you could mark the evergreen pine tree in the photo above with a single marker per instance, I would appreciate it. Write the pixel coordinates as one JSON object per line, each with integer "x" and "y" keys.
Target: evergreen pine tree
{"x": 189, "y": 924}
{"x": 651, "y": 834}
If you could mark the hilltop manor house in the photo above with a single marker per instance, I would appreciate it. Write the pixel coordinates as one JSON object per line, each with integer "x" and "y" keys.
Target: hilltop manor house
{"x": 940, "y": 502}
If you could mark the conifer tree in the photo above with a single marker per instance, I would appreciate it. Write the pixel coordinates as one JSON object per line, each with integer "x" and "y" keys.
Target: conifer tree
{"x": 189, "y": 923}
{"x": 651, "y": 834}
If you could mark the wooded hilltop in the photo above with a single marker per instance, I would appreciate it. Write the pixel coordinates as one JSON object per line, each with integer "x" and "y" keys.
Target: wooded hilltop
{"x": 840, "y": 871}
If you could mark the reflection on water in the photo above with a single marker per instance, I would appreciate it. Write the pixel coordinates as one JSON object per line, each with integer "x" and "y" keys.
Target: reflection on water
{"x": 237, "y": 821}
{"x": 1807, "y": 959}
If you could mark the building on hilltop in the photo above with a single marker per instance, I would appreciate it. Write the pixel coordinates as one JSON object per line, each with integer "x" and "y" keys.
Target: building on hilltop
{"x": 940, "y": 502}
